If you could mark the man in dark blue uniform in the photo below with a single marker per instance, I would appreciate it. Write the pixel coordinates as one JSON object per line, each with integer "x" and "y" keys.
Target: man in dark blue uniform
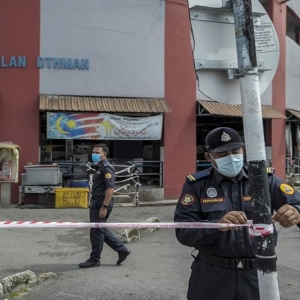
{"x": 224, "y": 268}
{"x": 102, "y": 205}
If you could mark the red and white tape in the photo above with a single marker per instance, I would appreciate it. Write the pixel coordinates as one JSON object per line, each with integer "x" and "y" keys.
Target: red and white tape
{"x": 254, "y": 229}
{"x": 260, "y": 230}
{"x": 60, "y": 224}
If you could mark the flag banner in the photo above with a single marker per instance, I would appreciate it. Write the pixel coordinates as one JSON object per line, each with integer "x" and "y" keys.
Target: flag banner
{"x": 103, "y": 126}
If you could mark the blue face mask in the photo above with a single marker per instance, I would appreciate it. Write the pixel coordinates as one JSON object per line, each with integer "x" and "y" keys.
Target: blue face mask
{"x": 230, "y": 165}
{"x": 96, "y": 157}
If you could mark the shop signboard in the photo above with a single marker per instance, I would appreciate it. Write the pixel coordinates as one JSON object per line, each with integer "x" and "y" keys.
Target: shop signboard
{"x": 103, "y": 126}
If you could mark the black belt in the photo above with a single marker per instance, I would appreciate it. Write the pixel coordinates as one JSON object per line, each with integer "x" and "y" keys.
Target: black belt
{"x": 228, "y": 263}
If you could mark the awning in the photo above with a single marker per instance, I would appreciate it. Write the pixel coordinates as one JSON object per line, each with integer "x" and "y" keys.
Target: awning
{"x": 103, "y": 104}
{"x": 294, "y": 113}
{"x": 230, "y": 110}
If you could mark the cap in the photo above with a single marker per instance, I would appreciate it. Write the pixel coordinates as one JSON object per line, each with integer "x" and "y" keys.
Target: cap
{"x": 222, "y": 139}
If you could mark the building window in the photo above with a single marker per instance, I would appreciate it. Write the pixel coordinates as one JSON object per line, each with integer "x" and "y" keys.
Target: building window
{"x": 292, "y": 26}
{"x": 264, "y": 3}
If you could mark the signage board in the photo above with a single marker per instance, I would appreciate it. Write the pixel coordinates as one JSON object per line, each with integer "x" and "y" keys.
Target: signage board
{"x": 102, "y": 126}
{"x": 215, "y": 54}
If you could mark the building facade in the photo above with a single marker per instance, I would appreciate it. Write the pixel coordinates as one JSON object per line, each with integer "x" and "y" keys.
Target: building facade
{"x": 124, "y": 58}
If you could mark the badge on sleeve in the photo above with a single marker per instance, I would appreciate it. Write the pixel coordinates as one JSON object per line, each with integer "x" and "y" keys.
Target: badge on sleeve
{"x": 287, "y": 189}
{"x": 108, "y": 175}
{"x": 187, "y": 199}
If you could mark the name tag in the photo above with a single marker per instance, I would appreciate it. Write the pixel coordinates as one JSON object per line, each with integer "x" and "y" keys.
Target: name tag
{"x": 212, "y": 200}
{"x": 246, "y": 198}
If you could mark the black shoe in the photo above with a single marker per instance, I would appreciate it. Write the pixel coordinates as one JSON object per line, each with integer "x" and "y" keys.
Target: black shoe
{"x": 89, "y": 264}
{"x": 122, "y": 256}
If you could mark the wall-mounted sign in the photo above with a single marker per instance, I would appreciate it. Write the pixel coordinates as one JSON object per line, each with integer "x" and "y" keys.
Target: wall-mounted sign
{"x": 63, "y": 63}
{"x": 215, "y": 51}
{"x": 265, "y": 38}
{"x": 46, "y": 62}
{"x": 103, "y": 126}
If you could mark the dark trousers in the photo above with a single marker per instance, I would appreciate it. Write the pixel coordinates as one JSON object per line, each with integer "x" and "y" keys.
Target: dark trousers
{"x": 209, "y": 281}
{"x": 99, "y": 236}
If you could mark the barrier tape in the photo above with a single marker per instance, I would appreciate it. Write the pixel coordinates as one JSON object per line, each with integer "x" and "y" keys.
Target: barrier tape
{"x": 38, "y": 224}
{"x": 254, "y": 229}
{"x": 260, "y": 230}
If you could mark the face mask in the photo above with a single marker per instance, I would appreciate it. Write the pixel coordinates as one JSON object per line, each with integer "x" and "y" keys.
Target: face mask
{"x": 96, "y": 157}
{"x": 231, "y": 165}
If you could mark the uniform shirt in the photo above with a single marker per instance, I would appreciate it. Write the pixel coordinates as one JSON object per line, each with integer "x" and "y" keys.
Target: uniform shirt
{"x": 103, "y": 178}
{"x": 207, "y": 196}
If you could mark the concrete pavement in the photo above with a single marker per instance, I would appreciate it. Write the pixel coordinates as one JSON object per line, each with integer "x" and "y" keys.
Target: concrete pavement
{"x": 122, "y": 213}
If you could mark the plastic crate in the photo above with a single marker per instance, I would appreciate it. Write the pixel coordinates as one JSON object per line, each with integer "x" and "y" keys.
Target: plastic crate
{"x": 71, "y": 197}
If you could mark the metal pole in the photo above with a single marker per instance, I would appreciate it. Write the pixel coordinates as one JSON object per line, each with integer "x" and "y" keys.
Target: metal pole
{"x": 255, "y": 148}
{"x": 5, "y": 194}
{"x": 137, "y": 184}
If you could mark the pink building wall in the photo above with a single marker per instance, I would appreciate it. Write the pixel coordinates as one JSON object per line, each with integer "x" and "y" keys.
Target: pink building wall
{"x": 180, "y": 91}
{"x": 19, "y": 87}
{"x": 277, "y": 13}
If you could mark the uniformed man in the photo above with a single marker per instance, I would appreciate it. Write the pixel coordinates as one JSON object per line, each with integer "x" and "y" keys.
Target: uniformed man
{"x": 224, "y": 268}
{"x": 102, "y": 205}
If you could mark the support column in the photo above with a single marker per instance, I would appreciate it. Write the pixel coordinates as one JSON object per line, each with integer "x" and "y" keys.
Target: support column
{"x": 179, "y": 138}
{"x": 277, "y": 13}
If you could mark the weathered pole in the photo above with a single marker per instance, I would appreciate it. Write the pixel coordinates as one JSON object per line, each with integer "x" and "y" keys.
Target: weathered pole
{"x": 255, "y": 148}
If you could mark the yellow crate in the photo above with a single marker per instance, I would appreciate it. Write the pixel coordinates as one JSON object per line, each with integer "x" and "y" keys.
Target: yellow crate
{"x": 71, "y": 197}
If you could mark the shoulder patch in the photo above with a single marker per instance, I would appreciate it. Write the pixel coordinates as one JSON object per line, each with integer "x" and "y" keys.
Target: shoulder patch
{"x": 197, "y": 176}
{"x": 187, "y": 199}
{"x": 287, "y": 189}
{"x": 108, "y": 175}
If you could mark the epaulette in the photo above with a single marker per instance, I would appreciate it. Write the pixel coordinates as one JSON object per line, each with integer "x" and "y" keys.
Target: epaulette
{"x": 107, "y": 164}
{"x": 270, "y": 170}
{"x": 197, "y": 176}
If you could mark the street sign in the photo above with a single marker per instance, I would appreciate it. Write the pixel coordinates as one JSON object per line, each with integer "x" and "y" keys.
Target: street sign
{"x": 215, "y": 51}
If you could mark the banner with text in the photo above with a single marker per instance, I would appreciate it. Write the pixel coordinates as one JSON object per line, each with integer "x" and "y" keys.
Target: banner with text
{"x": 103, "y": 126}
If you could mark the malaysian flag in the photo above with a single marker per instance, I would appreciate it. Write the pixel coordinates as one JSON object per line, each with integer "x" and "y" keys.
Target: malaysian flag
{"x": 74, "y": 126}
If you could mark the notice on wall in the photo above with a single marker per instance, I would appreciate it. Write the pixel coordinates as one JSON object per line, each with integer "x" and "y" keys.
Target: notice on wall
{"x": 265, "y": 38}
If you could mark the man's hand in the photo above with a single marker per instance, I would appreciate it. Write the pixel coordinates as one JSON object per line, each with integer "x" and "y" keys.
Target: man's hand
{"x": 287, "y": 216}
{"x": 102, "y": 212}
{"x": 233, "y": 217}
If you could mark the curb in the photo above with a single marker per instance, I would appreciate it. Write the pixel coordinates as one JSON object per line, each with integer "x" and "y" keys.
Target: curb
{"x": 132, "y": 234}
{"x": 19, "y": 283}
{"x": 148, "y": 203}
{"x": 15, "y": 283}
